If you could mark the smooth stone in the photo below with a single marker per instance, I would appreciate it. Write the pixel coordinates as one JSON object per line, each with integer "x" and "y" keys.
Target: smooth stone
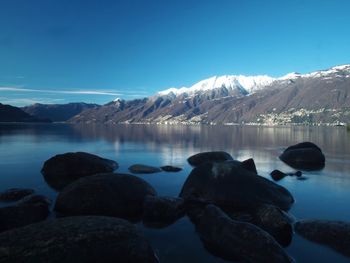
{"x": 236, "y": 240}
{"x": 249, "y": 164}
{"x": 170, "y": 168}
{"x": 143, "y": 169}
{"x": 63, "y": 169}
{"x": 277, "y": 175}
{"x": 228, "y": 185}
{"x": 305, "y": 156}
{"x": 335, "y": 234}
{"x": 30, "y": 209}
{"x": 162, "y": 211}
{"x": 15, "y": 194}
{"x": 76, "y": 239}
{"x": 119, "y": 195}
{"x": 204, "y": 157}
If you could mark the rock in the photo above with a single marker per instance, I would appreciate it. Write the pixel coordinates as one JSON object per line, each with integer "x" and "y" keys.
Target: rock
{"x": 249, "y": 164}
{"x": 298, "y": 173}
{"x": 204, "y": 157}
{"x": 238, "y": 241}
{"x": 162, "y": 211}
{"x": 277, "y": 175}
{"x": 276, "y": 222}
{"x": 30, "y": 209}
{"x": 63, "y": 169}
{"x": 15, "y": 194}
{"x": 34, "y": 199}
{"x": 77, "y": 239}
{"x": 119, "y": 195}
{"x": 304, "y": 156}
{"x": 143, "y": 169}
{"x": 335, "y": 234}
{"x": 169, "y": 168}
{"x": 228, "y": 185}
{"x": 302, "y": 178}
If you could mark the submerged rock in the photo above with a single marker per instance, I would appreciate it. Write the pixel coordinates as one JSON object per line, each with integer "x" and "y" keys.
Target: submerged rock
{"x": 15, "y": 194}
{"x": 162, "y": 211}
{"x": 335, "y": 234}
{"x": 304, "y": 156}
{"x": 30, "y": 209}
{"x": 77, "y": 239}
{"x": 143, "y": 169}
{"x": 119, "y": 195}
{"x": 204, "y": 157}
{"x": 238, "y": 241}
{"x": 63, "y": 169}
{"x": 228, "y": 185}
{"x": 170, "y": 168}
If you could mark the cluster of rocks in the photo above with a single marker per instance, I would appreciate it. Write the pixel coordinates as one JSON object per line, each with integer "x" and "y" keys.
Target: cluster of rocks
{"x": 238, "y": 215}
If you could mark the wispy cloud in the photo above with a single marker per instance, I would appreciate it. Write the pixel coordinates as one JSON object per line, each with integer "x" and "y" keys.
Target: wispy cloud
{"x": 85, "y": 92}
{"x": 28, "y": 101}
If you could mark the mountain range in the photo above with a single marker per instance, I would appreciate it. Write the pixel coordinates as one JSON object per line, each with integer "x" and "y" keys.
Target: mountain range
{"x": 320, "y": 97}
{"x": 10, "y": 113}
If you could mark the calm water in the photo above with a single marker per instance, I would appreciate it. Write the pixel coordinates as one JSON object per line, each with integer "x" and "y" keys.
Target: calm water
{"x": 325, "y": 195}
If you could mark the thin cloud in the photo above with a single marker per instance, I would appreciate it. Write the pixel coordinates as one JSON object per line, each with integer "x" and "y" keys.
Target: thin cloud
{"x": 85, "y": 92}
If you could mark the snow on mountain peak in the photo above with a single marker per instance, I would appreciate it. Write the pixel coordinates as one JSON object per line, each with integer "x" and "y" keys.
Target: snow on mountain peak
{"x": 245, "y": 83}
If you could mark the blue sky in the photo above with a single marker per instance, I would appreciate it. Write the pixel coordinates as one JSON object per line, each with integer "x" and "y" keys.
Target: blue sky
{"x": 58, "y": 51}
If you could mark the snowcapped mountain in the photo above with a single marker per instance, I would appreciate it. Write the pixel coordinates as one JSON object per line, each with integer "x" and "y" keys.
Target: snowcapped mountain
{"x": 316, "y": 97}
{"x": 250, "y": 84}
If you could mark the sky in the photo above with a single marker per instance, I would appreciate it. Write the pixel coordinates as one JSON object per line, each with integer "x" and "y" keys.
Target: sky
{"x": 60, "y": 51}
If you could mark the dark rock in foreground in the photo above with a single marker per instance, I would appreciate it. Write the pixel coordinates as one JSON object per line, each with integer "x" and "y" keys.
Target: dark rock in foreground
{"x": 304, "y": 156}
{"x": 15, "y": 194}
{"x": 335, "y": 234}
{"x": 119, "y": 195}
{"x": 170, "y": 168}
{"x": 162, "y": 211}
{"x": 76, "y": 239}
{"x": 238, "y": 241}
{"x": 63, "y": 169}
{"x": 143, "y": 169}
{"x": 204, "y": 157}
{"x": 229, "y": 185}
{"x": 30, "y": 209}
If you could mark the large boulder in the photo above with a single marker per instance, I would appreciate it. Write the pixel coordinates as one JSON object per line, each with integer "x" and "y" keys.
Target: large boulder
{"x": 30, "y": 209}
{"x": 229, "y": 185}
{"x": 15, "y": 194}
{"x": 143, "y": 169}
{"x": 76, "y": 239}
{"x": 335, "y": 234}
{"x": 304, "y": 156}
{"x": 236, "y": 240}
{"x": 119, "y": 195}
{"x": 204, "y": 157}
{"x": 63, "y": 169}
{"x": 162, "y": 211}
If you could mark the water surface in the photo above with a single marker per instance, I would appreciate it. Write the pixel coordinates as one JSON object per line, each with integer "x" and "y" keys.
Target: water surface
{"x": 324, "y": 195}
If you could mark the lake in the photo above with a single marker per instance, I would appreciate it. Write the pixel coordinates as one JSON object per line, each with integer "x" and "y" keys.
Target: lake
{"x": 324, "y": 195}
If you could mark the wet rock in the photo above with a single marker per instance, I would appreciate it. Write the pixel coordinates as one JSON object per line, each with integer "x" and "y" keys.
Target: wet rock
{"x": 77, "y": 239}
{"x": 169, "y": 168}
{"x": 335, "y": 234}
{"x": 276, "y": 222}
{"x": 277, "y": 175}
{"x": 162, "y": 211}
{"x": 304, "y": 156}
{"x": 298, "y": 174}
{"x": 15, "y": 194}
{"x": 204, "y": 157}
{"x": 119, "y": 195}
{"x": 34, "y": 199}
{"x": 63, "y": 169}
{"x": 238, "y": 241}
{"x": 302, "y": 178}
{"x": 228, "y": 185}
{"x": 143, "y": 169}
{"x": 249, "y": 164}
{"x": 30, "y": 209}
